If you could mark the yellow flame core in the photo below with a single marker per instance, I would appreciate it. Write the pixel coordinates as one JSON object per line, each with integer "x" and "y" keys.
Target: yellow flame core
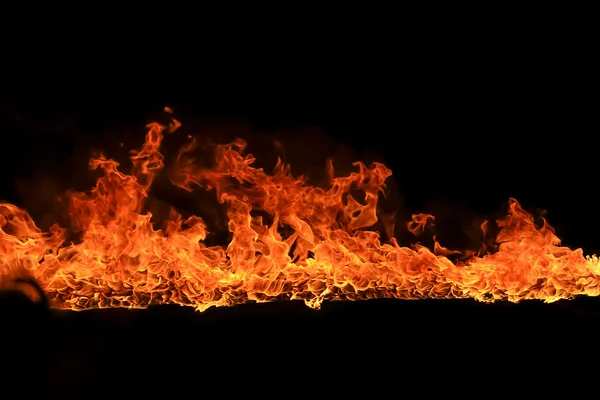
{"x": 123, "y": 261}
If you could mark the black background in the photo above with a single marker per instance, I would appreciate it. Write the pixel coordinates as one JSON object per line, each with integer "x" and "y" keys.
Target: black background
{"x": 464, "y": 121}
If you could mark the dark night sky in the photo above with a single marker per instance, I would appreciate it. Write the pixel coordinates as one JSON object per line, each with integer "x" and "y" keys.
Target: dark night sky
{"x": 463, "y": 128}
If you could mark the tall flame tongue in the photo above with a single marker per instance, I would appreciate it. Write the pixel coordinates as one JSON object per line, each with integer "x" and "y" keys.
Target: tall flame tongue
{"x": 122, "y": 261}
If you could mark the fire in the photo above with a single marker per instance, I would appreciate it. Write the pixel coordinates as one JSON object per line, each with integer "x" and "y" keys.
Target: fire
{"x": 289, "y": 240}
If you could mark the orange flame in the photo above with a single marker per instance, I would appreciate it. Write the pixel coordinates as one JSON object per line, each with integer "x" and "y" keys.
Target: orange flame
{"x": 329, "y": 254}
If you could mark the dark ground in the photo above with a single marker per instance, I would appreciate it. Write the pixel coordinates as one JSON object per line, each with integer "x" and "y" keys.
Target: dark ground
{"x": 387, "y": 347}
{"x": 462, "y": 135}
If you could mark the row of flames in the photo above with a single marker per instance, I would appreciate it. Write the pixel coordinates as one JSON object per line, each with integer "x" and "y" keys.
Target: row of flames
{"x": 330, "y": 254}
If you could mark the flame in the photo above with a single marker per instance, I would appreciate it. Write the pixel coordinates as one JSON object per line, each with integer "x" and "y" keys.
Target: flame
{"x": 328, "y": 251}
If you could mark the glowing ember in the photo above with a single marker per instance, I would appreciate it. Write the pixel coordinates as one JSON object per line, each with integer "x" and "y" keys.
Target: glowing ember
{"x": 327, "y": 253}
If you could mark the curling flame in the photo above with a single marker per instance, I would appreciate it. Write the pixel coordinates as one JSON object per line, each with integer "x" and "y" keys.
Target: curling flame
{"x": 327, "y": 252}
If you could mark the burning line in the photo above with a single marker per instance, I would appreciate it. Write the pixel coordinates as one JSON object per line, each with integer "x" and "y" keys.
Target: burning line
{"x": 308, "y": 243}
